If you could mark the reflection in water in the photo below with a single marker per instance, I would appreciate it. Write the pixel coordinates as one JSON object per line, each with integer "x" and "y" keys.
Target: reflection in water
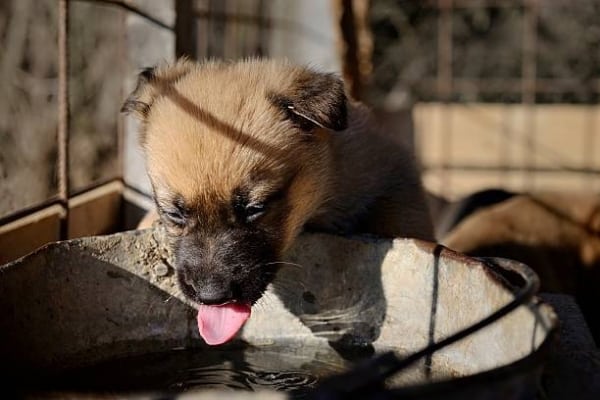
{"x": 291, "y": 369}
{"x": 297, "y": 383}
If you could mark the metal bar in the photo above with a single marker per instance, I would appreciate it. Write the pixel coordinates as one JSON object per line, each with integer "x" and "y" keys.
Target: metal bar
{"x": 63, "y": 115}
{"x": 349, "y": 47}
{"x": 464, "y": 167}
{"x": 507, "y": 143}
{"x": 253, "y": 33}
{"x": 270, "y": 23}
{"x": 514, "y": 85}
{"x": 529, "y": 65}
{"x": 231, "y": 43}
{"x": 201, "y": 28}
{"x": 444, "y": 64}
{"x": 216, "y": 28}
{"x": 589, "y": 145}
{"x": 530, "y": 287}
{"x": 134, "y": 10}
{"x": 370, "y": 376}
{"x": 528, "y": 75}
{"x": 364, "y": 39}
{"x": 240, "y": 18}
{"x": 444, "y": 87}
{"x": 459, "y": 4}
{"x": 185, "y": 29}
{"x": 263, "y": 30}
{"x": 123, "y": 51}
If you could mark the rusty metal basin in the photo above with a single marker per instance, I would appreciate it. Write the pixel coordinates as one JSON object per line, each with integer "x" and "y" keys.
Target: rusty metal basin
{"x": 74, "y": 305}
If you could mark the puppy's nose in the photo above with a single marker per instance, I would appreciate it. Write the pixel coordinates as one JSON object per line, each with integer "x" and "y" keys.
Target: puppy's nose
{"x": 214, "y": 293}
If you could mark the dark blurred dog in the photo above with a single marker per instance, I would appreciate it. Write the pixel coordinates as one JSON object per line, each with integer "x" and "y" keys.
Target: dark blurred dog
{"x": 556, "y": 234}
{"x": 243, "y": 156}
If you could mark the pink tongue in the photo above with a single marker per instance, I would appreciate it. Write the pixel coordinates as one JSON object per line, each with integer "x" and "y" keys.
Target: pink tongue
{"x": 218, "y": 324}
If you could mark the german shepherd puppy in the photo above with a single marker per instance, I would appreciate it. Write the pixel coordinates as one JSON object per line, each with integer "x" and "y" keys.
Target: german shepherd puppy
{"x": 243, "y": 156}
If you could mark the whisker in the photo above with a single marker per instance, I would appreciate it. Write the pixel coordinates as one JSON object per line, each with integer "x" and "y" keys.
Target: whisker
{"x": 175, "y": 292}
{"x": 264, "y": 301}
{"x": 284, "y": 283}
{"x": 168, "y": 299}
{"x": 285, "y": 263}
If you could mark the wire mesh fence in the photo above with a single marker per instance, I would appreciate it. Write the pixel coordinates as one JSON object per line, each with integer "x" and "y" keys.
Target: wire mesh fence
{"x": 503, "y": 92}
{"x": 510, "y": 89}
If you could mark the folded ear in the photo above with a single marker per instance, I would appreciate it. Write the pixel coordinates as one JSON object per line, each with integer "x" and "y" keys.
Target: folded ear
{"x": 139, "y": 101}
{"x": 314, "y": 100}
{"x": 152, "y": 83}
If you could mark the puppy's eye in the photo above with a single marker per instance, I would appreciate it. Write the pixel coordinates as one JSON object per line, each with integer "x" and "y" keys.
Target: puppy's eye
{"x": 175, "y": 216}
{"x": 253, "y": 211}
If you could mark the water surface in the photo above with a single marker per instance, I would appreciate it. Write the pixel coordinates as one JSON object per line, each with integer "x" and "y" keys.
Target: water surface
{"x": 294, "y": 369}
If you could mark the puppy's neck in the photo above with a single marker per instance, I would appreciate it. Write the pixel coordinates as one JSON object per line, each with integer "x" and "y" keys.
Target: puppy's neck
{"x": 375, "y": 185}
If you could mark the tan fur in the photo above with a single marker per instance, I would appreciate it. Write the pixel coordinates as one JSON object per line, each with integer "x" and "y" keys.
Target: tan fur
{"x": 148, "y": 220}
{"x": 556, "y": 234}
{"x": 543, "y": 220}
{"x": 212, "y": 127}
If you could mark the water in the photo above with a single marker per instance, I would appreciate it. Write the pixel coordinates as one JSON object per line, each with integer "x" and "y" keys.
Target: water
{"x": 293, "y": 369}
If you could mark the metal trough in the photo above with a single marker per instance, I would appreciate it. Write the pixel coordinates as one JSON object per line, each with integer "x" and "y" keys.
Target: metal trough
{"x": 81, "y": 303}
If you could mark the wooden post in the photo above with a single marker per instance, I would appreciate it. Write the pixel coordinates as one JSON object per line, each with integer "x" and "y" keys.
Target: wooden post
{"x": 63, "y": 115}
{"x": 444, "y": 88}
{"x": 528, "y": 89}
{"x": 355, "y": 44}
{"x": 185, "y": 29}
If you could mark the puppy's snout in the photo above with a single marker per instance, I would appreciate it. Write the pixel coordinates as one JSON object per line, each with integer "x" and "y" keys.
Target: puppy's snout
{"x": 214, "y": 292}
{"x": 210, "y": 291}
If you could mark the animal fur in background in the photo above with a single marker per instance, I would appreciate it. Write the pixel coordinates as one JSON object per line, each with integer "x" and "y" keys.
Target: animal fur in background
{"x": 556, "y": 234}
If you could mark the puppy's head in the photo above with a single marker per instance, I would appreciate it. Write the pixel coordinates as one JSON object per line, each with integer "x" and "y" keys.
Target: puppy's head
{"x": 238, "y": 157}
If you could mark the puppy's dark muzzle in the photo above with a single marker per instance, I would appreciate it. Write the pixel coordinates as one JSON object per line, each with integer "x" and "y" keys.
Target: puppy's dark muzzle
{"x": 233, "y": 266}
{"x": 211, "y": 291}
{"x": 214, "y": 294}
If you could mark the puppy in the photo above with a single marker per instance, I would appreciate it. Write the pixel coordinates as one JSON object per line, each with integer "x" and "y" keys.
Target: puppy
{"x": 243, "y": 156}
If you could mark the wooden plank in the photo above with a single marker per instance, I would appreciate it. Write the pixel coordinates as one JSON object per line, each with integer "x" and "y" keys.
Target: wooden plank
{"x": 96, "y": 212}
{"x": 493, "y": 137}
{"x": 26, "y": 234}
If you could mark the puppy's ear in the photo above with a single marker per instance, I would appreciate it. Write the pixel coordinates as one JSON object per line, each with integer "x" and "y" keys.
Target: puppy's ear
{"x": 139, "y": 101}
{"x": 314, "y": 100}
{"x": 152, "y": 83}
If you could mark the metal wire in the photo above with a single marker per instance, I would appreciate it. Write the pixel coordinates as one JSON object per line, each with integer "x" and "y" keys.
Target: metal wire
{"x": 375, "y": 372}
{"x": 63, "y": 114}
{"x": 134, "y": 10}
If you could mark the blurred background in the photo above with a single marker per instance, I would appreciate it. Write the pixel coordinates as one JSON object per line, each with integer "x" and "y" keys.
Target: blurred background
{"x": 489, "y": 93}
